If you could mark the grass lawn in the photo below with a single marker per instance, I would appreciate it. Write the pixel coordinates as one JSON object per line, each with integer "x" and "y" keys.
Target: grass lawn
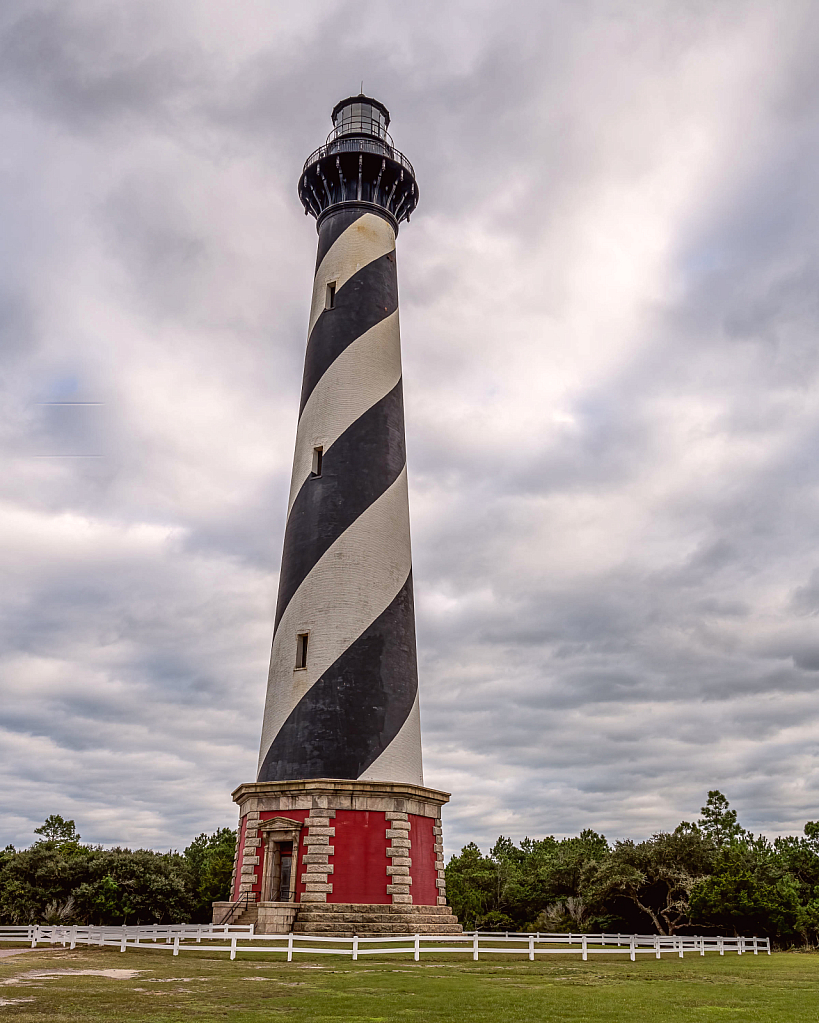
{"x": 50, "y": 985}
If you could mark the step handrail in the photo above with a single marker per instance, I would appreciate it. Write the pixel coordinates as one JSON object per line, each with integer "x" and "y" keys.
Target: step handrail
{"x": 243, "y": 900}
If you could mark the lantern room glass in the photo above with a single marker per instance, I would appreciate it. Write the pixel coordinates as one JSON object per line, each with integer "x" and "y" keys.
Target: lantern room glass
{"x": 360, "y": 118}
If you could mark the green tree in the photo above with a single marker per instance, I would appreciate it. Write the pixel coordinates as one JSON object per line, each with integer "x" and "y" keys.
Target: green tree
{"x": 59, "y": 880}
{"x": 79, "y": 884}
{"x": 471, "y": 885}
{"x": 210, "y": 859}
{"x": 510, "y": 887}
{"x": 58, "y": 830}
{"x": 759, "y": 887}
{"x": 746, "y": 903}
{"x": 718, "y": 821}
{"x": 799, "y": 858}
{"x": 656, "y": 876}
{"x": 135, "y": 887}
{"x": 812, "y": 835}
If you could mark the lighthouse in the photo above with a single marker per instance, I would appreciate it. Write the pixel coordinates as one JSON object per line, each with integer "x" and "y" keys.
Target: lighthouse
{"x": 338, "y": 834}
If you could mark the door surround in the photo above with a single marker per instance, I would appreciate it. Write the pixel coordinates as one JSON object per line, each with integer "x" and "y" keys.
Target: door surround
{"x": 276, "y": 831}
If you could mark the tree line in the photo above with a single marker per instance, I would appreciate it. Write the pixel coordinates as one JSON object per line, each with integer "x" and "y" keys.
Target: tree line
{"x": 711, "y": 876}
{"x": 58, "y": 880}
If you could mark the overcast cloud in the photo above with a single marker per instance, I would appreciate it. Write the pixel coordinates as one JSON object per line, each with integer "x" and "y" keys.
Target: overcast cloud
{"x": 609, "y": 304}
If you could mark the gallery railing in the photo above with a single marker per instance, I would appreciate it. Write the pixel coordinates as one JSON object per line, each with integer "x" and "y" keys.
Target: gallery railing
{"x": 358, "y": 145}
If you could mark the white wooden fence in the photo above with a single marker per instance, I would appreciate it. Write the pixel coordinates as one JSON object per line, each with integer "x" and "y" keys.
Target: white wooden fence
{"x": 198, "y": 937}
{"x": 86, "y": 935}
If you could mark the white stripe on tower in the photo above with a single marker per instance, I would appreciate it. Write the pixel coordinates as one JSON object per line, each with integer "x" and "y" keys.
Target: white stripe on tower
{"x": 360, "y": 376}
{"x": 335, "y": 605}
{"x": 400, "y": 759}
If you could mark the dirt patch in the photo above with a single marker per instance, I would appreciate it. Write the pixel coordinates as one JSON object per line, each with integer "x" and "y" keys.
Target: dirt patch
{"x": 30, "y": 975}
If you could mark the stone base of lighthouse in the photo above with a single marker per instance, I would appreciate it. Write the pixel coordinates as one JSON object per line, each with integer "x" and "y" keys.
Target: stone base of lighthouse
{"x": 339, "y": 857}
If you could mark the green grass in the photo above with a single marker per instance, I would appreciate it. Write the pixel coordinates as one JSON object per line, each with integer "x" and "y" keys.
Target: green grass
{"x": 206, "y": 986}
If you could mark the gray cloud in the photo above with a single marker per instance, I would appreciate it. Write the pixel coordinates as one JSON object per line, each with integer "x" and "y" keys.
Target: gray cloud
{"x": 609, "y": 318}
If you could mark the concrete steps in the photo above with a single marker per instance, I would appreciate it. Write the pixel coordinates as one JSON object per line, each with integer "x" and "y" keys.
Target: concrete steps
{"x": 247, "y": 916}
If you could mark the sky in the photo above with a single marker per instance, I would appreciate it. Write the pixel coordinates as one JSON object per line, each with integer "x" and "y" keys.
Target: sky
{"x": 609, "y": 308}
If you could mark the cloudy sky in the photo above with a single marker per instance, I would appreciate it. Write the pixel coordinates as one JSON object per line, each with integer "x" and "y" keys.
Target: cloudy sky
{"x": 609, "y": 304}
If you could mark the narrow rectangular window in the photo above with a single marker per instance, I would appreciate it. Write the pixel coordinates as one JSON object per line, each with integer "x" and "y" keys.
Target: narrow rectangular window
{"x": 330, "y": 301}
{"x": 301, "y": 650}
{"x": 318, "y": 457}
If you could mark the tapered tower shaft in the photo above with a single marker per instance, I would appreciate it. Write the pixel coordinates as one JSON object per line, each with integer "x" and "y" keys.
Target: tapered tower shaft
{"x": 342, "y": 698}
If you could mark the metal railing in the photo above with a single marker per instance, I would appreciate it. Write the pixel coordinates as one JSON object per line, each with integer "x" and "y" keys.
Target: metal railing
{"x": 190, "y": 938}
{"x": 358, "y": 145}
{"x": 239, "y": 905}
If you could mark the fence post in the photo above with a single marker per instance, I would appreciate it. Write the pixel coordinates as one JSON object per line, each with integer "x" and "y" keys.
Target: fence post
{"x": 531, "y": 947}
{"x": 417, "y": 955}
{"x": 702, "y": 946}
{"x": 631, "y": 953}
{"x": 233, "y": 941}
{"x": 681, "y": 946}
{"x": 475, "y": 946}
{"x": 123, "y": 939}
{"x": 721, "y": 946}
{"x": 740, "y": 946}
{"x": 176, "y": 944}
{"x": 35, "y": 934}
{"x": 355, "y": 946}
{"x": 585, "y": 953}
{"x": 73, "y": 943}
{"x": 756, "y": 950}
{"x": 656, "y": 946}
{"x": 290, "y": 947}
{"x": 769, "y": 945}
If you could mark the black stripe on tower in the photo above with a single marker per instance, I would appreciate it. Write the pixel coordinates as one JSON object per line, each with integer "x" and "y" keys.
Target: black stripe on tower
{"x": 355, "y": 710}
{"x": 355, "y": 471}
{"x": 367, "y": 298}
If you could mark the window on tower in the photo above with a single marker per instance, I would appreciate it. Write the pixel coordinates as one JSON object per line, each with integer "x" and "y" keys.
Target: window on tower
{"x": 301, "y": 650}
{"x": 330, "y": 300}
{"x": 318, "y": 457}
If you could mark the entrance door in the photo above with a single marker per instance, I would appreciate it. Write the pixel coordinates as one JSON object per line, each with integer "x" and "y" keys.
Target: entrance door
{"x": 285, "y": 872}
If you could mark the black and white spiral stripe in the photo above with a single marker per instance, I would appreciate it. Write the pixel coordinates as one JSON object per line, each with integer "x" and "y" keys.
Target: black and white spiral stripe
{"x": 346, "y": 576}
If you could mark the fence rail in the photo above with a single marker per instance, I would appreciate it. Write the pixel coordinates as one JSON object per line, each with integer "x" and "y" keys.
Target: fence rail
{"x": 190, "y": 938}
{"x": 76, "y": 934}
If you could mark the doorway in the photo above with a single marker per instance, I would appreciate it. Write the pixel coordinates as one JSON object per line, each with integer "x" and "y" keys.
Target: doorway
{"x": 279, "y": 874}
{"x": 285, "y": 893}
